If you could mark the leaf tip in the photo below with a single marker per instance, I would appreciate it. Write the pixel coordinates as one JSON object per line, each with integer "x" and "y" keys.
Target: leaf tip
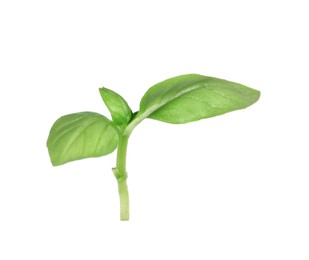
{"x": 256, "y": 95}
{"x": 55, "y": 163}
{"x": 102, "y": 89}
{"x": 52, "y": 156}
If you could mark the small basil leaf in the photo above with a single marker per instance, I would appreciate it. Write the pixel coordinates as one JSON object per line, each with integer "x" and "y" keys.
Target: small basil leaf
{"x": 193, "y": 97}
{"x": 117, "y": 106}
{"x": 81, "y": 135}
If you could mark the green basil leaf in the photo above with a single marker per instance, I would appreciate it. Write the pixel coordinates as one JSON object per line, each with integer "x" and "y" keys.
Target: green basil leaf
{"x": 193, "y": 97}
{"x": 117, "y": 106}
{"x": 81, "y": 135}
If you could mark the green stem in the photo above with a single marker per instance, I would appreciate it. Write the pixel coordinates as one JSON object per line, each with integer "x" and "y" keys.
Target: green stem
{"x": 120, "y": 173}
{"x": 124, "y": 200}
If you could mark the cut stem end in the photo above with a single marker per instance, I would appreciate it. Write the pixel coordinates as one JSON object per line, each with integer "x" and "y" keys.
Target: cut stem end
{"x": 124, "y": 199}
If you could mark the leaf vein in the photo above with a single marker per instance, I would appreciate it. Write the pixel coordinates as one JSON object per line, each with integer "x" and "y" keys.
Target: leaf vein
{"x": 69, "y": 145}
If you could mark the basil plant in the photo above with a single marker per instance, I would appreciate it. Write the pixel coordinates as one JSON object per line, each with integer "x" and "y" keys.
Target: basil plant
{"x": 177, "y": 100}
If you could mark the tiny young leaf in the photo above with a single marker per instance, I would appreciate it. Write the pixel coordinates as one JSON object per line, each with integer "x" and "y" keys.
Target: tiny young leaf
{"x": 117, "y": 106}
{"x": 81, "y": 135}
{"x": 193, "y": 97}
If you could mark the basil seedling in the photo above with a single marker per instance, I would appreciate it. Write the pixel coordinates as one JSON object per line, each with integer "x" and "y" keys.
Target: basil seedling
{"x": 176, "y": 100}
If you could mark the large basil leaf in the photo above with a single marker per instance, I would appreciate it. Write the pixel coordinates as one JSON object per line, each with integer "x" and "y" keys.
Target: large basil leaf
{"x": 193, "y": 97}
{"x": 81, "y": 135}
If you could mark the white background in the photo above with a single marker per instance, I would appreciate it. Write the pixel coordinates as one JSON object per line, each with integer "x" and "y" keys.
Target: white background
{"x": 230, "y": 187}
